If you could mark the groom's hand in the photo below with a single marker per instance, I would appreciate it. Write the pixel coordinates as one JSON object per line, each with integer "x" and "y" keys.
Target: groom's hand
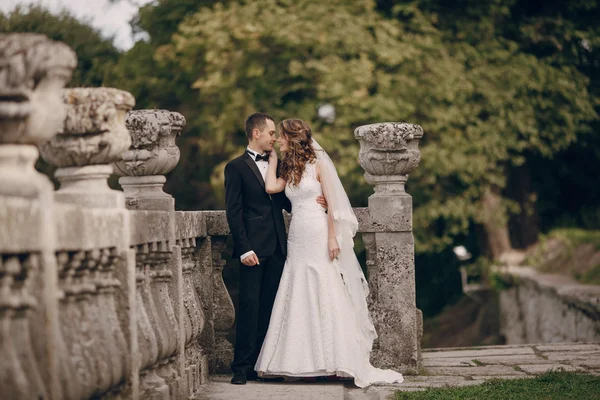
{"x": 321, "y": 200}
{"x": 251, "y": 260}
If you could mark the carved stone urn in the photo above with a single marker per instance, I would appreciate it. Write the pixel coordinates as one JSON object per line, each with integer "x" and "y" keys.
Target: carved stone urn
{"x": 389, "y": 152}
{"x": 94, "y": 135}
{"x": 152, "y": 154}
{"x": 33, "y": 71}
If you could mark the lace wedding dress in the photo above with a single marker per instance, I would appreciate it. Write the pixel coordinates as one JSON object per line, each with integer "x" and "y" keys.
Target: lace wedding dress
{"x": 314, "y": 329}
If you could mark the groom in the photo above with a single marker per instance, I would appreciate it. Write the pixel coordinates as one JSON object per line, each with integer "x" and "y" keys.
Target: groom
{"x": 256, "y": 223}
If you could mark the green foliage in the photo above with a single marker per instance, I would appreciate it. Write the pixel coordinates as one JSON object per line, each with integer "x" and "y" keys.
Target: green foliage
{"x": 591, "y": 276}
{"x": 553, "y": 385}
{"x": 95, "y": 54}
{"x": 574, "y": 237}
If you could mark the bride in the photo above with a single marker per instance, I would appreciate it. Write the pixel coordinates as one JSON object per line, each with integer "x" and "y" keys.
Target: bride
{"x": 320, "y": 324}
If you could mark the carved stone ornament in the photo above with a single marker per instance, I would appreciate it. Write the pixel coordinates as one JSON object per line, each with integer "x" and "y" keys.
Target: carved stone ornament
{"x": 94, "y": 131}
{"x": 33, "y": 70}
{"x": 153, "y": 150}
{"x": 389, "y": 151}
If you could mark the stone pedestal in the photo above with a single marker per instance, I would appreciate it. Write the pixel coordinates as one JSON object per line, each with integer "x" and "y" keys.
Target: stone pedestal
{"x": 94, "y": 135}
{"x": 389, "y": 152}
{"x": 88, "y": 186}
{"x": 146, "y": 193}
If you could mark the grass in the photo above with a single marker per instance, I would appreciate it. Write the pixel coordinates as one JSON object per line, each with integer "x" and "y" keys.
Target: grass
{"x": 553, "y": 385}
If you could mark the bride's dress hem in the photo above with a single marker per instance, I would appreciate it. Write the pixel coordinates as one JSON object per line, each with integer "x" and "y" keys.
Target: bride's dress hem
{"x": 340, "y": 372}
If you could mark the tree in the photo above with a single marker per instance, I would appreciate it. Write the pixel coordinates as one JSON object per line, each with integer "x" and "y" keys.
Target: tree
{"x": 287, "y": 58}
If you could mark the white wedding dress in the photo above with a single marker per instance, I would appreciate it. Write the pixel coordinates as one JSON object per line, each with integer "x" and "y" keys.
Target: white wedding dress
{"x": 314, "y": 330}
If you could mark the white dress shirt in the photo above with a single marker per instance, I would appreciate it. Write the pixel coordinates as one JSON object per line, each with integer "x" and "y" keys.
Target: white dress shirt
{"x": 262, "y": 167}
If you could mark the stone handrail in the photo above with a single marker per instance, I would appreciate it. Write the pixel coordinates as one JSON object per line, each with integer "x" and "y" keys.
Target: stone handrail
{"x": 547, "y": 308}
{"x": 114, "y": 294}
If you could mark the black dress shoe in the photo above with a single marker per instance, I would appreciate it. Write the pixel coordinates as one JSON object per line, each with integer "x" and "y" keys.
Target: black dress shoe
{"x": 239, "y": 379}
{"x": 252, "y": 376}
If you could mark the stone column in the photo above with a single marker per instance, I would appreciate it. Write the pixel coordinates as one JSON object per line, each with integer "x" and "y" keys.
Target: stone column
{"x": 153, "y": 153}
{"x": 388, "y": 153}
{"x": 94, "y": 135}
{"x": 33, "y": 70}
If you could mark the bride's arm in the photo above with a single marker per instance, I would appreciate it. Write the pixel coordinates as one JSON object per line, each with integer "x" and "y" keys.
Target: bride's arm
{"x": 332, "y": 243}
{"x": 273, "y": 184}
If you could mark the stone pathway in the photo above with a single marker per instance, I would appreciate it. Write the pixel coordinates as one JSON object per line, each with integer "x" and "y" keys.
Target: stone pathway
{"x": 441, "y": 368}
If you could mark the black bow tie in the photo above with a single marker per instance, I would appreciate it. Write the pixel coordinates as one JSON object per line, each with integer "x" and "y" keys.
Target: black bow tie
{"x": 258, "y": 157}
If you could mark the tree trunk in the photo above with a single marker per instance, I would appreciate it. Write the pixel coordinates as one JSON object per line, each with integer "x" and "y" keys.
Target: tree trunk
{"x": 524, "y": 227}
{"x": 496, "y": 240}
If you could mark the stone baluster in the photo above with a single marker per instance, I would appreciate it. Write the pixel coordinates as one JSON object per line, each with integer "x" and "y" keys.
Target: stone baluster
{"x": 195, "y": 364}
{"x": 33, "y": 70}
{"x": 388, "y": 153}
{"x": 223, "y": 310}
{"x": 153, "y": 153}
{"x": 150, "y": 332}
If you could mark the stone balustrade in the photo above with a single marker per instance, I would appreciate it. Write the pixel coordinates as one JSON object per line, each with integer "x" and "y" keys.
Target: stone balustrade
{"x": 114, "y": 294}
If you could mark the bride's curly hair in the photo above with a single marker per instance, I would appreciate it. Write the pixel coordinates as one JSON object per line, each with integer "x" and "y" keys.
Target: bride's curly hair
{"x": 299, "y": 152}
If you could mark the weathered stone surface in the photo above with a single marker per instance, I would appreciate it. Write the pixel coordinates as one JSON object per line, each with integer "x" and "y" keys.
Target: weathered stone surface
{"x": 389, "y": 150}
{"x": 541, "y": 368}
{"x": 391, "y": 214}
{"x": 546, "y": 308}
{"x": 18, "y": 219}
{"x": 568, "y": 347}
{"x": 512, "y": 360}
{"x": 392, "y": 303}
{"x": 216, "y": 223}
{"x": 190, "y": 224}
{"x": 448, "y": 362}
{"x": 149, "y": 227}
{"x": 87, "y": 186}
{"x": 81, "y": 229}
{"x": 474, "y": 371}
{"x": 478, "y": 352}
{"x": 572, "y": 355}
{"x": 153, "y": 150}
{"x": 33, "y": 69}
{"x": 221, "y": 389}
{"x": 94, "y": 130}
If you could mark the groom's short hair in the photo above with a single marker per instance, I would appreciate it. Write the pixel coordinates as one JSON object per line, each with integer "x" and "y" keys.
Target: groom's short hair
{"x": 257, "y": 121}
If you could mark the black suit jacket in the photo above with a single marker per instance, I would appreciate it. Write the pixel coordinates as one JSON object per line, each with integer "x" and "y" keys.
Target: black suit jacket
{"x": 255, "y": 218}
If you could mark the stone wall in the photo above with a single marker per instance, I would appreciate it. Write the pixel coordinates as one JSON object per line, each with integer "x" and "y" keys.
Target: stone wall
{"x": 113, "y": 294}
{"x": 545, "y": 308}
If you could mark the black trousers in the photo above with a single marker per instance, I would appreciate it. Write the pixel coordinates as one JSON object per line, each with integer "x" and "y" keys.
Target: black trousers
{"x": 258, "y": 287}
